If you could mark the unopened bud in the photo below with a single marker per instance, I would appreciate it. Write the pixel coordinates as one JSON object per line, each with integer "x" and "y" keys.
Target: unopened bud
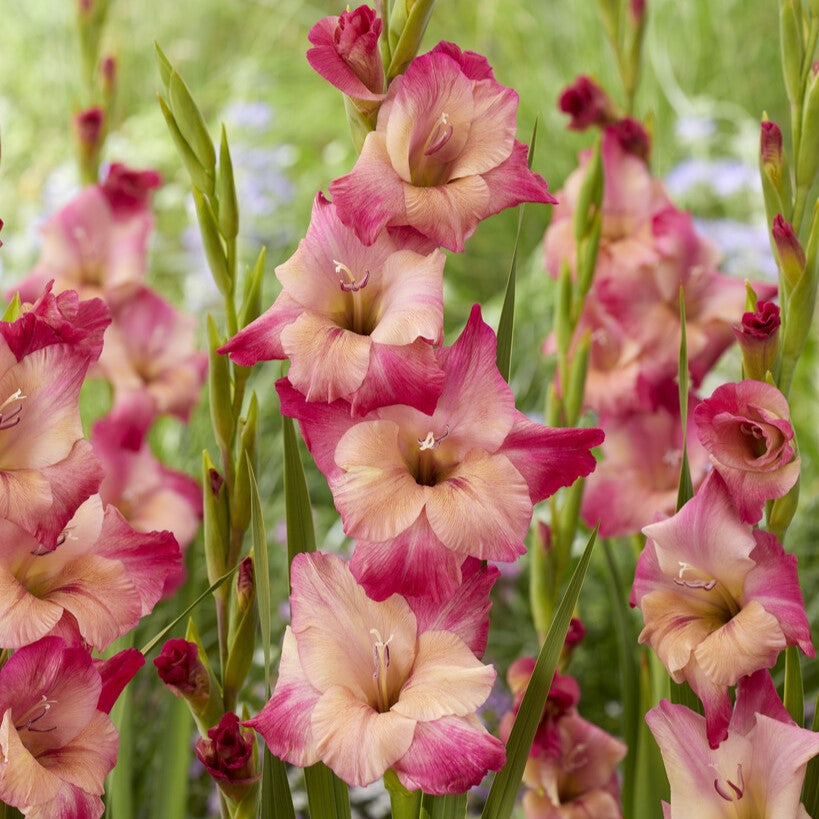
{"x": 770, "y": 147}
{"x": 544, "y": 536}
{"x": 245, "y": 585}
{"x": 89, "y": 133}
{"x": 791, "y": 255}
{"x": 638, "y": 10}
{"x": 575, "y": 634}
{"x": 227, "y": 753}
{"x": 183, "y": 673}
{"x": 108, "y": 76}
{"x": 809, "y": 149}
{"x": 632, "y": 136}
{"x": 758, "y": 337}
{"x": 587, "y": 104}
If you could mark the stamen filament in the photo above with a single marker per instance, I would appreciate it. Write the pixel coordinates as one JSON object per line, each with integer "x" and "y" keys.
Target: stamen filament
{"x": 381, "y": 662}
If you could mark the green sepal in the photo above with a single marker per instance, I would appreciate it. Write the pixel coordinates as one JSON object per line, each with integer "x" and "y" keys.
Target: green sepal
{"x": 211, "y": 712}
{"x": 412, "y": 33}
{"x": 360, "y": 123}
{"x": 241, "y": 644}
{"x": 199, "y": 177}
{"x": 576, "y": 381}
{"x": 240, "y": 510}
{"x": 219, "y": 391}
{"x": 252, "y": 299}
{"x": 215, "y": 514}
{"x": 164, "y": 65}
{"x": 214, "y": 250}
{"x": 12, "y": 312}
{"x": 226, "y": 192}
{"x": 808, "y": 160}
{"x": 301, "y": 536}
{"x": 589, "y": 196}
{"x": 563, "y": 309}
{"x": 790, "y": 41}
{"x": 505, "y": 786}
{"x": 191, "y": 123}
{"x": 794, "y": 694}
{"x": 782, "y": 511}
{"x": 587, "y": 260}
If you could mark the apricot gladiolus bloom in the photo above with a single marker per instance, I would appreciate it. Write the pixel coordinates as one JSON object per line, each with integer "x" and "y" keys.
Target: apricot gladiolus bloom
{"x": 720, "y": 600}
{"x": 356, "y": 322}
{"x": 363, "y": 687}
{"x": 443, "y": 155}
{"x": 756, "y": 773}
{"x": 422, "y": 492}
{"x": 56, "y": 745}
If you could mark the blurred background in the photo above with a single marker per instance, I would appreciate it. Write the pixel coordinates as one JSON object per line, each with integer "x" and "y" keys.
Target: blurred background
{"x": 709, "y": 71}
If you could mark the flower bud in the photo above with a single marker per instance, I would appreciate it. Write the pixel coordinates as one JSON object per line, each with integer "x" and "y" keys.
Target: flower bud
{"x": 129, "y": 191}
{"x": 183, "y": 673}
{"x": 227, "y": 753}
{"x": 219, "y": 391}
{"x": 408, "y": 22}
{"x": 587, "y": 104}
{"x": 108, "y": 79}
{"x": 808, "y": 147}
{"x": 544, "y": 536}
{"x": 791, "y": 255}
{"x": 215, "y": 521}
{"x": 89, "y": 134}
{"x": 638, "y": 10}
{"x": 243, "y": 623}
{"x": 632, "y": 136}
{"x": 575, "y": 634}
{"x": 773, "y": 166}
{"x": 791, "y": 48}
{"x": 770, "y": 147}
{"x": 190, "y": 122}
{"x": 758, "y": 337}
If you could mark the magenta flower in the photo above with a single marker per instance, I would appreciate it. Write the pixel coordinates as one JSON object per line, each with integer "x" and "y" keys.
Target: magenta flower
{"x": 56, "y": 745}
{"x": 756, "y": 772}
{"x": 356, "y": 322}
{"x": 758, "y": 337}
{"x": 346, "y": 54}
{"x": 129, "y": 191}
{"x": 364, "y": 687}
{"x": 746, "y": 429}
{"x": 443, "y": 156}
{"x": 419, "y": 492}
{"x": 586, "y": 103}
{"x": 150, "y": 347}
{"x": 720, "y": 600}
{"x": 99, "y": 580}
{"x": 179, "y": 667}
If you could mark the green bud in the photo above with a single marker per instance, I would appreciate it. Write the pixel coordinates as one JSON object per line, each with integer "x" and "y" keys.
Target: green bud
{"x": 226, "y": 192}
{"x": 790, "y": 40}
{"x": 197, "y": 173}
{"x": 247, "y": 458}
{"x": 589, "y": 197}
{"x": 219, "y": 391}
{"x": 243, "y": 624}
{"x": 206, "y": 712}
{"x": 563, "y": 309}
{"x": 577, "y": 379}
{"x": 409, "y": 21}
{"x": 554, "y": 406}
{"x": 588, "y": 255}
{"x": 252, "y": 300}
{"x": 163, "y": 64}
{"x": 360, "y": 123}
{"x": 782, "y": 511}
{"x": 215, "y": 508}
{"x": 214, "y": 250}
{"x": 191, "y": 123}
{"x": 773, "y": 169}
{"x": 13, "y": 310}
{"x": 808, "y": 161}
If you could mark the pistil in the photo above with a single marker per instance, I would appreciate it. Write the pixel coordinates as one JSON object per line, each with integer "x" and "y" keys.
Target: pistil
{"x": 352, "y": 286}
{"x": 12, "y": 417}
{"x": 381, "y": 663}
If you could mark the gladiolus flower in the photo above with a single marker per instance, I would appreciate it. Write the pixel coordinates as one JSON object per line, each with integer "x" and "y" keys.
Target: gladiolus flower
{"x": 179, "y": 667}
{"x": 720, "y": 600}
{"x": 443, "y": 155}
{"x": 746, "y": 429}
{"x": 356, "y": 322}
{"x": 422, "y": 492}
{"x": 587, "y": 104}
{"x": 102, "y": 573}
{"x": 346, "y": 54}
{"x": 227, "y": 753}
{"x": 56, "y": 745}
{"x": 756, "y": 772}
{"x": 363, "y": 688}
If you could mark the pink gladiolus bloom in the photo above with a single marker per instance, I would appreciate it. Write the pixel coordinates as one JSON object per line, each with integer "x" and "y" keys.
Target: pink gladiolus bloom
{"x": 129, "y": 191}
{"x": 422, "y": 492}
{"x": 150, "y": 347}
{"x": 356, "y": 322}
{"x": 149, "y": 496}
{"x": 93, "y": 245}
{"x": 636, "y": 481}
{"x": 46, "y": 468}
{"x": 364, "y": 687}
{"x": 115, "y": 673}
{"x": 346, "y": 54}
{"x": 756, "y": 772}
{"x": 443, "y": 156}
{"x": 720, "y": 600}
{"x": 102, "y": 573}
{"x": 746, "y": 430}
{"x": 56, "y": 745}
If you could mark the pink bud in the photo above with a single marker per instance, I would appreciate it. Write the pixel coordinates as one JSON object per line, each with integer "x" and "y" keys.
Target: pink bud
{"x": 575, "y": 634}
{"x": 544, "y": 535}
{"x": 108, "y": 74}
{"x": 632, "y": 136}
{"x": 587, "y": 104}
{"x": 227, "y": 753}
{"x": 216, "y": 481}
{"x": 180, "y": 668}
{"x": 88, "y": 126}
{"x": 791, "y": 255}
{"x": 637, "y": 9}
{"x": 758, "y": 338}
{"x": 770, "y": 144}
{"x": 245, "y": 584}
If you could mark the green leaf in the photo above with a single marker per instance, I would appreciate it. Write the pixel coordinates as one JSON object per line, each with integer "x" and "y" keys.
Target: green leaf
{"x": 794, "y": 699}
{"x": 301, "y": 536}
{"x": 683, "y": 694}
{"x": 629, "y": 673}
{"x": 151, "y": 644}
{"x": 810, "y": 791}
{"x": 277, "y": 802}
{"x": 163, "y": 64}
{"x": 190, "y": 122}
{"x": 686, "y": 488}
{"x": 172, "y": 791}
{"x": 443, "y": 807}
{"x": 506, "y": 783}
{"x": 651, "y": 783}
{"x": 12, "y": 312}
{"x": 327, "y": 795}
{"x": 506, "y": 323}
{"x": 212, "y": 243}
{"x": 405, "y": 804}
{"x": 119, "y": 786}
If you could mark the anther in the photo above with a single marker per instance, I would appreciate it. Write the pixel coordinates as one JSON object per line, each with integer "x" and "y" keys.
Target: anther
{"x": 440, "y": 135}
{"x": 431, "y": 442}
{"x": 351, "y": 285}
{"x": 12, "y": 418}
